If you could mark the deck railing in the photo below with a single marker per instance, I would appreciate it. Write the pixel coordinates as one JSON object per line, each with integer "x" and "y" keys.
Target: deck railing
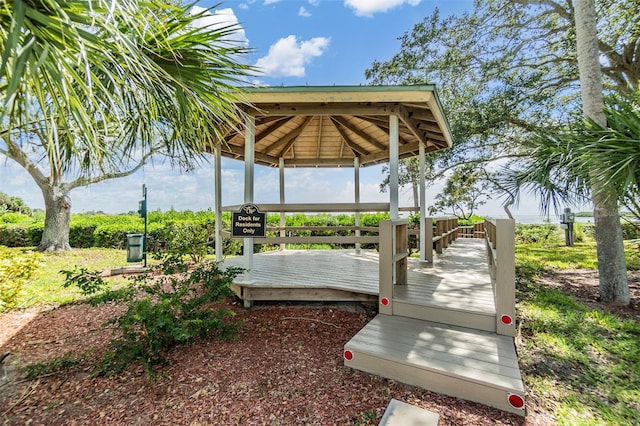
{"x": 393, "y": 260}
{"x": 438, "y": 237}
{"x": 500, "y": 239}
{"x": 285, "y": 232}
{"x": 471, "y": 231}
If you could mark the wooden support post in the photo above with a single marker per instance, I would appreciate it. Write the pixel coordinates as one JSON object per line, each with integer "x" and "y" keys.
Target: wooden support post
{"x": 439, "y": 233}
{"x": 423, "y": 210}
{"x": 282, "y": 199}
{"x": 401, "y": 252}
{"x": 356, "y": 179}
{"x": 394, "y": 164}
{"x": 217, "y": 204}
{"x": 385, "y": 265}
{"x": 427, "y": 223}
{"x": 505, "y": 277}
{"x": 249, "y": 156}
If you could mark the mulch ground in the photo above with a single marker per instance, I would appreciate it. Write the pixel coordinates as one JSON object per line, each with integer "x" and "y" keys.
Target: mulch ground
{"x": 285, "y": 368}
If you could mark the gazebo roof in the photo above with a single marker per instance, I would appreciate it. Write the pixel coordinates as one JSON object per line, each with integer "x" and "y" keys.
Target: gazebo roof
{"x": 328, "y": 126}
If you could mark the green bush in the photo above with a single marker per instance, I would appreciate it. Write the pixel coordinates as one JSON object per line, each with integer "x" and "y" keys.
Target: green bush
{"x": 630, "y": 230}
{"x": 537, "y": 234}
{"x": 192, "y": 239}
{"x": 14, "y": 217}
{"x": 13, "y": 235}
{"x": 34, "y": 233}
{"x": 171, "y": 305}
{"x": 15, "y": 270}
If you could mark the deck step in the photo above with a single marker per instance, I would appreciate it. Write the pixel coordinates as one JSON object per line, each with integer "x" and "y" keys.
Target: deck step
{"x": 478, "y": 320}
{"x": 400, "y": 413}
{"x": 470, "y": 364}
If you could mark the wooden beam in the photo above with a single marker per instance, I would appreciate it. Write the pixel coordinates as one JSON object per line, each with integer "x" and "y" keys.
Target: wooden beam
{"x": 238, "y": 152}
{"x": 267, "y": 110}
{"x": 344, "y": 122}
{"x": 275, "y": 125}
{"x": 405, "y": 116}
{"x": 282, "y": 145}
{"x": 411, "y": 147}
{"x": 317, "y": 208}
{"x": 355, "y": 148}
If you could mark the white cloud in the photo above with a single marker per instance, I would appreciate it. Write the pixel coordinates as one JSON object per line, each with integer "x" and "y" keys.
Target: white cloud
{"x": 222, "y": 18}
{"x": 288, "y": 56}
{"x": 314, "y": 2}
{"x": 370, "y": 7}
{"x": 268, "y": 2}
{"x": 304, "y": 12}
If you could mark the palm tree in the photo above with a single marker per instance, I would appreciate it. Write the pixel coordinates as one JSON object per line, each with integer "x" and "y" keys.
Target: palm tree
{"x": 90, "y": 90}
{"x": 589, "y": 161}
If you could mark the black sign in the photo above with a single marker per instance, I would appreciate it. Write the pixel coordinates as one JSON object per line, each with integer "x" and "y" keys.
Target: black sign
{"x": 248, "y": 222}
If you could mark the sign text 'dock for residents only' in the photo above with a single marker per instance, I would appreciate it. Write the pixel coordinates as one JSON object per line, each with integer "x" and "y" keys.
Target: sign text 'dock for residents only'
{"x": 248, "y": 222}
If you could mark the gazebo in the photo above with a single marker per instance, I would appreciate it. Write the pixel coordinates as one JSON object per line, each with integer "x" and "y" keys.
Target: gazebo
{"x": 333, "y": 126}
{"x": 446, "y": 325}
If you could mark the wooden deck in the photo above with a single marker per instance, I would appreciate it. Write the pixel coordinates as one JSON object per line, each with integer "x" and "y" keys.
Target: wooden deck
{"x": 458, "y": 279}
{"x": 442, "y": 334}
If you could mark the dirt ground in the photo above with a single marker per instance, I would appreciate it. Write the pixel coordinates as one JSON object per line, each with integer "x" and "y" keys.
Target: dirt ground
{"x": 285, "y": 368}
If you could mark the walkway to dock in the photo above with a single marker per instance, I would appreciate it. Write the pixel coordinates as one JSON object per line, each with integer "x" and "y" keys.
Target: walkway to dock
{"x": 442, "y": 332}
{"x": 458, "y": 279}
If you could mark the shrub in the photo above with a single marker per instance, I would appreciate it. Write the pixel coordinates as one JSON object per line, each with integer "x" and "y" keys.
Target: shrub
{"x": 192, "y": 239}
{"x": 537, "y": 234}
{"x": 14, "y": 217}
{"x": 171, "y": 304}
{"x": 13, "y": 235}
{"x": 15, "y": 269}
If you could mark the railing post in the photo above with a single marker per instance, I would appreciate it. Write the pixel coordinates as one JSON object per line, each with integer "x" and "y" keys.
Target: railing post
{"x": 401, "y": 248}
{"x": 385, "y": 265}
{"x": 439, "y": 232}
{"x": 426, "y": 254}
{"x": 505, "y": 276}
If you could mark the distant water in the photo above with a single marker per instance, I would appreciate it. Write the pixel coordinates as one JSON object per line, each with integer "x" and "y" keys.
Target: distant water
{"x": 535, "y": 219}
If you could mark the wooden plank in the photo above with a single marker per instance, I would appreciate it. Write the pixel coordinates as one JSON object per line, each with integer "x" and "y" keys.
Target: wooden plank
{"x": 396, "y": 328}
{"x": 317, "y": 207}
{"x": 385, "y": 271}
{"x": 446, "y": 315}
{"x": 505, "y": 276}
{"x": 320, "y": 239}
{"x": 488, "y": 358}
{"x": 305, "y": 294}
{"x": 436, "y": 381}
{"x": 452, "y": 282}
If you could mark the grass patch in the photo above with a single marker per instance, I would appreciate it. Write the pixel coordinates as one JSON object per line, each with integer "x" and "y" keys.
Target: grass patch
{"x": 579, "y": 363}
{"x": 46, "y": 285}
{"x": 581, "y": 255}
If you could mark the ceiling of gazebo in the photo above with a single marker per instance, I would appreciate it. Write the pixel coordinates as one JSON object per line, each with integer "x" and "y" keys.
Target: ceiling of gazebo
{"x": 330, "y": 126}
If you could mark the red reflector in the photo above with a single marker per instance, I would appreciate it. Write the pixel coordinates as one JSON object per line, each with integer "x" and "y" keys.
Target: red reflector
{"x": 506, "y": 319}
{"x": 516, "y": 401}
{"x": 384, "y": 301}
{"x": 348, "y": 355}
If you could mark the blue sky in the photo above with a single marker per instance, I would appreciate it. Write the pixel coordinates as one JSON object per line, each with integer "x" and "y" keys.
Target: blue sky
{"x": 295, "y": 42}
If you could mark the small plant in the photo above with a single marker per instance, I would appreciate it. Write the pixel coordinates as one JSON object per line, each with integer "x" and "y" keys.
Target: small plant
{"x": 193, "y": 239}
{"x": 169, "y": 305}
{"x": 15, "y": 270}
{"x": 89, "y": 282}
{"x": 539, "y": 234}
{"x": 366, "y": 418}
{"x": 57, "y": 365}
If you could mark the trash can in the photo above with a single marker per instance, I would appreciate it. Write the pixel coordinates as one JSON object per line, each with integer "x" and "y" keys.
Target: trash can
{"x": 135, "y": 247}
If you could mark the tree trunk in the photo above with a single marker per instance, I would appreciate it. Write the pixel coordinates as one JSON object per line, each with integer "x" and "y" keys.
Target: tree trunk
{"x": 55, "y": 236}
{"x": 612, "y": 269}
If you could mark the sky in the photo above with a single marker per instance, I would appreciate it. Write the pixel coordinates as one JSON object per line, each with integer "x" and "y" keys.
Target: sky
{"x": 294, "y": 43}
